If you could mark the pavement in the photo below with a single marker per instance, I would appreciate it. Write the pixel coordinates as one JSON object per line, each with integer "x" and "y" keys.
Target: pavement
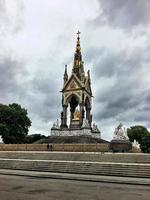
{"x": 24, "y": 187}
{"x": 79, "y": 177}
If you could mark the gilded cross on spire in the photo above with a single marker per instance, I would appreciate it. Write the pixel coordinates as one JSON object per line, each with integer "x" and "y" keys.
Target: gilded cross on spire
{"x": 77, "y": 56}
{"x": 78, "y": 33}
{"x": 78, "y": 49}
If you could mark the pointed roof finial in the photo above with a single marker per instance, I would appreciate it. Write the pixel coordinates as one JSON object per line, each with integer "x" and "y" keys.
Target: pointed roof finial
{"x": 78, "y": 33}
{"x": 65, "y": 74}
{"x": 78, "y": 64}
{"x": 78, "y": 48}
{"x": 65, "y": 68}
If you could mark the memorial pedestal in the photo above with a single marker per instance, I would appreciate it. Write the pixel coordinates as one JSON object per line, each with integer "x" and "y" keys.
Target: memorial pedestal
{"x": 120, "y": 145}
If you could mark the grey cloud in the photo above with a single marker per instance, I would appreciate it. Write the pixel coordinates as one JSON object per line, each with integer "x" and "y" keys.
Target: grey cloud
{"x": 42, "y": 97}
{"x": 11, "y": 22}
{"x": 107, "y": 63}
{"x": 125, "y": 14}
{"x": 47, "y": 89}
{"x": 142, "y": 117}
{"x": 147, "y": 98}
{"x": 8, "y": 71}
{"x": 127, "y": 92}
{"x": 39, "y": 94}
{"x": 2, "y": 9}
{"x": 143, "y": 112}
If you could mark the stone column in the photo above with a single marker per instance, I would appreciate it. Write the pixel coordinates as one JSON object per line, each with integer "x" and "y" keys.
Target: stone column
{"x": 61, "y": 126}
{"x": 90, "y": 121}
{"x": 81, "y": 114}
{"x": 65, "y": 115}
{"x": 71, "y": 115}
{"x": 88, "y": 115}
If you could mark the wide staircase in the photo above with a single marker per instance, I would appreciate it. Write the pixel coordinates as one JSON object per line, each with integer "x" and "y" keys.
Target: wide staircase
{"x": 119, "y": 164}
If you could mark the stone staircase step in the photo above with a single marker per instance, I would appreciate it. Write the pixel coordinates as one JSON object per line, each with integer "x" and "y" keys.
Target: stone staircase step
{"x": 131, "y": 165}
{"x": 98, "y": 168}
{"x": 94, "y": 157}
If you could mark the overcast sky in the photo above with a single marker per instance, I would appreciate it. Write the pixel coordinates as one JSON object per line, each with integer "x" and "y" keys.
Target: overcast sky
{"x": 38, "y": 37}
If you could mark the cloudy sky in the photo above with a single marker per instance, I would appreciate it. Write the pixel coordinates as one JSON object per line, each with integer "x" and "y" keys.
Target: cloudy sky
{"x": 38, "y": 37}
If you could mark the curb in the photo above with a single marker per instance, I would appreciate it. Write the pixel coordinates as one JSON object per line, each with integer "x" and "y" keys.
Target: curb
{"x": 78, "y": 177}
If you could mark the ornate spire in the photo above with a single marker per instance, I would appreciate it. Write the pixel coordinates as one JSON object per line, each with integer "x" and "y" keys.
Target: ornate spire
{"x": 77, "y": 55}
{"x": 78, "y": 48}
{"x": 65, "y": 74}
{"x": 78, "y": 64}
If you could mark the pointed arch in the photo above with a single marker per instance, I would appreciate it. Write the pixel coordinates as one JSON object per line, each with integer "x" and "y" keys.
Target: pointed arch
{"x": 72, "y": 96}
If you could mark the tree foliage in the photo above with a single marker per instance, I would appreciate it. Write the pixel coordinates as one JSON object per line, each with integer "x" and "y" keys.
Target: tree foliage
{"x": 14, "y": 123}
{"x": 137, "y": 133}
{"x": 145, "y": 144}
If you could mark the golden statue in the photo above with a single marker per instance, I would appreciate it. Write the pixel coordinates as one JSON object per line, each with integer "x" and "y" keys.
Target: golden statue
{"x": 76, "y": 115}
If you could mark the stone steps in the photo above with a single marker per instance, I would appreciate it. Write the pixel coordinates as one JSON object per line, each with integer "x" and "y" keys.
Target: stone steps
{"x": 79, "y": 156}
{"x": 78, "y": 167}
{"x": 131, "y": 165}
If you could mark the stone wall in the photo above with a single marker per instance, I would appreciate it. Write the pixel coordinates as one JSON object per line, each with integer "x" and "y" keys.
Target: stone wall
{"x": 60, "y": 147}
{"x": 55, "y": 147}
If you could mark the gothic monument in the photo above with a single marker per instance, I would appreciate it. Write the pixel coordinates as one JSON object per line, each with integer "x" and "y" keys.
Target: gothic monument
{"x": 76, "y": 117}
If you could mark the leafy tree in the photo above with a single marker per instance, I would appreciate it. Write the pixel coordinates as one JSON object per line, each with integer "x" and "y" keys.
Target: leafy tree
{"x": 137, "y": 133}
{"x": 145, "y": 144}
{"x": 14, "y": 123}
{"x": 33, "y": 138}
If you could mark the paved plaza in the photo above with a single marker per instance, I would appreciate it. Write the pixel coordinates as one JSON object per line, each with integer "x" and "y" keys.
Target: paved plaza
{"x": 36, "y": 188}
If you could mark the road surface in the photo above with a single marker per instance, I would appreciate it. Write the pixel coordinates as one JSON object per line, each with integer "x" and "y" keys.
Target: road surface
{"x": 35, "y": 188}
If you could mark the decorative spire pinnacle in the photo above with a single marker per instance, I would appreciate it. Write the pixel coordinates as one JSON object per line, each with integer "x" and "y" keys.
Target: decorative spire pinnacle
{"x": 77, "y": 56}
{"x": 65, "y": 69}
{"x": 78, "y": 48}
{"x": 78, "y": 68}
{"x": 65, "y": 75}
{"x": 78, "y": 33}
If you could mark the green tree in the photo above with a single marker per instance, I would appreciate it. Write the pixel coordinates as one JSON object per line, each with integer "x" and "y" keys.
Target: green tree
{"x": 14, "y": 123}
{"x": 145, "y": 144}
{"x": 137, "y": 133}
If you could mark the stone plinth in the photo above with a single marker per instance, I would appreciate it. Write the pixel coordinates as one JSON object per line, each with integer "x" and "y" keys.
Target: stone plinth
{"x": 75, "y": 124}
{"x": 74, "y": 132}
{"x": 120, "y": 145}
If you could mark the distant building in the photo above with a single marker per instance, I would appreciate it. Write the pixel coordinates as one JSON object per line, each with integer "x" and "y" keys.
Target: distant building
{"x": 76, "y": 117}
